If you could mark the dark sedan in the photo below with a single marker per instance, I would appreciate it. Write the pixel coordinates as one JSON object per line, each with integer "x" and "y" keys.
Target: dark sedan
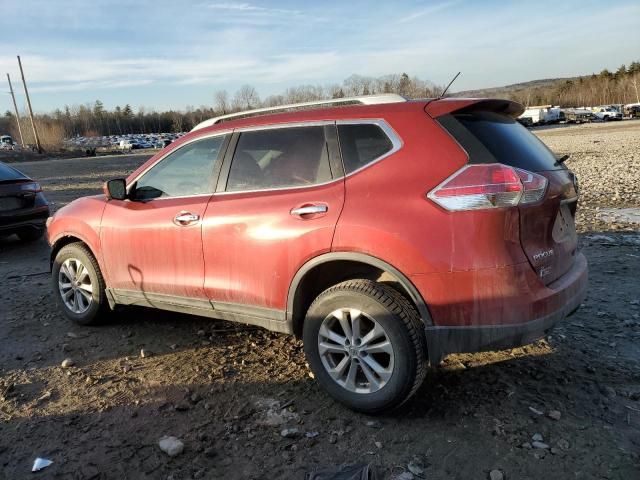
{"x": 23, "y": 208}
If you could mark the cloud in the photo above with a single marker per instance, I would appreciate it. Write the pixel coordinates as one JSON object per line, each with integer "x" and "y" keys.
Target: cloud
{"x": 426, "y": 11}
{"x": 76, "y": 74}
{"x": 184, "y": 54}
{"x": 93, "y": 85}
{"x": 250, "y": 8}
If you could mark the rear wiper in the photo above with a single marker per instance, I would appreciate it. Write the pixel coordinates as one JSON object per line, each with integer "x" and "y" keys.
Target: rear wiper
{"x": 562, "y": 159}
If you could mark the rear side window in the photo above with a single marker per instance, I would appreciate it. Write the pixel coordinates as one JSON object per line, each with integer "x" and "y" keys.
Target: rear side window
{"x": 279, "y": 158}
{"x": 361, "y": 144}
{"x": 490, "y": 137}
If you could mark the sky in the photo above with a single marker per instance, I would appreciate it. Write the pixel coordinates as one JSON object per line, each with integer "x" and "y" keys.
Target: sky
{"x": 160, "y": 54}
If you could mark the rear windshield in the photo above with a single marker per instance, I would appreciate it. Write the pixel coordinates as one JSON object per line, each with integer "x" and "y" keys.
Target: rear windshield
{"x": 8, "y": 174}
{"x": 490, "y": 137}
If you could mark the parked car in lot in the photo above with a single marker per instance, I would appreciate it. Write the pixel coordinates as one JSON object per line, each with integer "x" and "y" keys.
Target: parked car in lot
{"x": 385, "y": 233}
{"x": 577, "y": 115}
{"x": 23, "y": 207}
{"x": 632, "y": 110}
{"x": 6, "y": 142}
{"x": 607, "y": 113}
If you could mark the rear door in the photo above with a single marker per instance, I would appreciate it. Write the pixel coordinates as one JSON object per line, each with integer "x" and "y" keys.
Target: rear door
{"x": 547, "y": 229}
{"x": 280, "y": 195}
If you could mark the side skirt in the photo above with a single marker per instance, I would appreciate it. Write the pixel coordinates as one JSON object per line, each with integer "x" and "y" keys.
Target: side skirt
{"x": 269, "y": 318}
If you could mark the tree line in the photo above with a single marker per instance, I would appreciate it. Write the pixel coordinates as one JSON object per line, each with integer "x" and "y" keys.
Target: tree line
{"x": 95, "y": 119}
{"x": 604, "y": 88}
{"x": 621, "y": 86}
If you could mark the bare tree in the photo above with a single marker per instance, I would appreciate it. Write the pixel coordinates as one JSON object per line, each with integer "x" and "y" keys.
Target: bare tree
{"x": 333, "y": 91}
{"x": 304, "y": 93}
{"x": 634, "y": 82}
{"x": 358, "y": 85}
{"x": 221, "y": 101}
{"x": 274, "y": 101}
{"x": 388, "y": 83}
{"x": 247, "y": 98}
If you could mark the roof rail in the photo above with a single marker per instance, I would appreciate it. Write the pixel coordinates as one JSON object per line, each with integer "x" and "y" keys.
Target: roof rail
{"x": 363, "y": 100}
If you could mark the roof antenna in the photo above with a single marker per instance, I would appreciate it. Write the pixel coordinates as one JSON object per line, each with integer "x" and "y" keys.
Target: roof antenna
{"x": 447, "y": 87}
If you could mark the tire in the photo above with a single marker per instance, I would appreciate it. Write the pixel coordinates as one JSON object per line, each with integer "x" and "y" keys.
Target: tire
{"x": 381, "y": 307}
{"x": 91, "y": 306}
{"x": 31, "y": 234}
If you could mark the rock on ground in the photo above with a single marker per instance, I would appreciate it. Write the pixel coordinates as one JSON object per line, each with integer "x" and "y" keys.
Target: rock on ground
{"x": 171, "y": 446}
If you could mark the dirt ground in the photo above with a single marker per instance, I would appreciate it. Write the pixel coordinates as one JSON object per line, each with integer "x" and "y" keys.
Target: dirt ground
{"x": 227, "y": 391}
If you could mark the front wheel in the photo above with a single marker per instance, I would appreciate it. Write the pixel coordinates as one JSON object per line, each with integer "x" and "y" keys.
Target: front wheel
{"x": 365, "y": 344}
{"x": 78, "y": 284}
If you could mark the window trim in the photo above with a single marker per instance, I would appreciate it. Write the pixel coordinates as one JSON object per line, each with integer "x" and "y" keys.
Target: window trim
{"x": 396, "y": 140}
{"x": 276, "y": 126}
{"x": 215, "y": 176}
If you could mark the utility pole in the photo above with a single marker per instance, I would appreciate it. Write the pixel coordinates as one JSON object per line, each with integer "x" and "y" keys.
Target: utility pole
{"x": 33, "y": 123}
{"x": 15, "y": 106}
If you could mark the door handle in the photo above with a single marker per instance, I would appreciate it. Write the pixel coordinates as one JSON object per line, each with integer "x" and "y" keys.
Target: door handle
{"x": 309, "y": 209}
{"x": 186, "y": 218}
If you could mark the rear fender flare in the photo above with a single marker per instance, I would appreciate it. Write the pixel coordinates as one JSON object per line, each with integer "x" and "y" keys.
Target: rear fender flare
{"x": 410, "y": 288}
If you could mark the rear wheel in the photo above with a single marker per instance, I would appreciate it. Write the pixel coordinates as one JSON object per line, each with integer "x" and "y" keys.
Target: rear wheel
{"x": 78, "y": 284}
{"x": 365, "y": 344}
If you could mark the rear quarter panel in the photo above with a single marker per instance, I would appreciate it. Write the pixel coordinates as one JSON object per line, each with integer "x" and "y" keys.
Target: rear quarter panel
{"x": 387, "y": 214}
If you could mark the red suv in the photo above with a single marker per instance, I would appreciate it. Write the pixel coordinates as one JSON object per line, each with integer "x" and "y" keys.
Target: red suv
{"x": 386, "y": 233}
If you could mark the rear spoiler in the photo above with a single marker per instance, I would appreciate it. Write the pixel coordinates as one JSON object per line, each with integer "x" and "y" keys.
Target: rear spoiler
{"x": 437, "y": 108}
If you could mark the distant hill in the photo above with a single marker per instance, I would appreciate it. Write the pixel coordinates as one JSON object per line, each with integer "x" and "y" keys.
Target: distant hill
{"x": 510, "y": 90}
{"x": 604, "y": 88}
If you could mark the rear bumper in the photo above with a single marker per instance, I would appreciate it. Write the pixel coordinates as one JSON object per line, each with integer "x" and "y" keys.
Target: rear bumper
{"x": 566, "y": 294}
{"x": 32, "y": 218}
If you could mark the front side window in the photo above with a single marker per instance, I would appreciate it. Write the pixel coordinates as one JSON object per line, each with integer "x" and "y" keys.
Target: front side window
{"x": 361, "y": 144}
{"x": 279, "y": 158}
{"x": 185, "y": 172}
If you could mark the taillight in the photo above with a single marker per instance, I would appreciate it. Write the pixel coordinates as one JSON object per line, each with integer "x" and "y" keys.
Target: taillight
{"x": 534, "y": 186}
{"x": 489, "y": 186}
{"x": 31, "y": 187}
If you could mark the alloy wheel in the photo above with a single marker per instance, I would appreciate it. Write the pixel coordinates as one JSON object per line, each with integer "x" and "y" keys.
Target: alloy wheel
{"x": 355, "y": 350}
{"x": 74, "y": 284}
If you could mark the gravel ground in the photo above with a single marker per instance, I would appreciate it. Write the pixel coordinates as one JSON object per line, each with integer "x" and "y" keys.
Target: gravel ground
{"x": 606, "y": 159}
{"x": 566, "y": 407}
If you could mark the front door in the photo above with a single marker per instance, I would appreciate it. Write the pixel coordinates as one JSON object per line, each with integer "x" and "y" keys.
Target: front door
{"x": 279, "y": 208}
{"x": 152, "y": 242}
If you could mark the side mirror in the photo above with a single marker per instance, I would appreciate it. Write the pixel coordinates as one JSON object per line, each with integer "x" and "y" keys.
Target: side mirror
{"x": 116, "y": 189}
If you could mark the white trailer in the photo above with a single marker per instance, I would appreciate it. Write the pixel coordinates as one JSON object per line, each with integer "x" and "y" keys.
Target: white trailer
{"x": 543, "y": 114}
